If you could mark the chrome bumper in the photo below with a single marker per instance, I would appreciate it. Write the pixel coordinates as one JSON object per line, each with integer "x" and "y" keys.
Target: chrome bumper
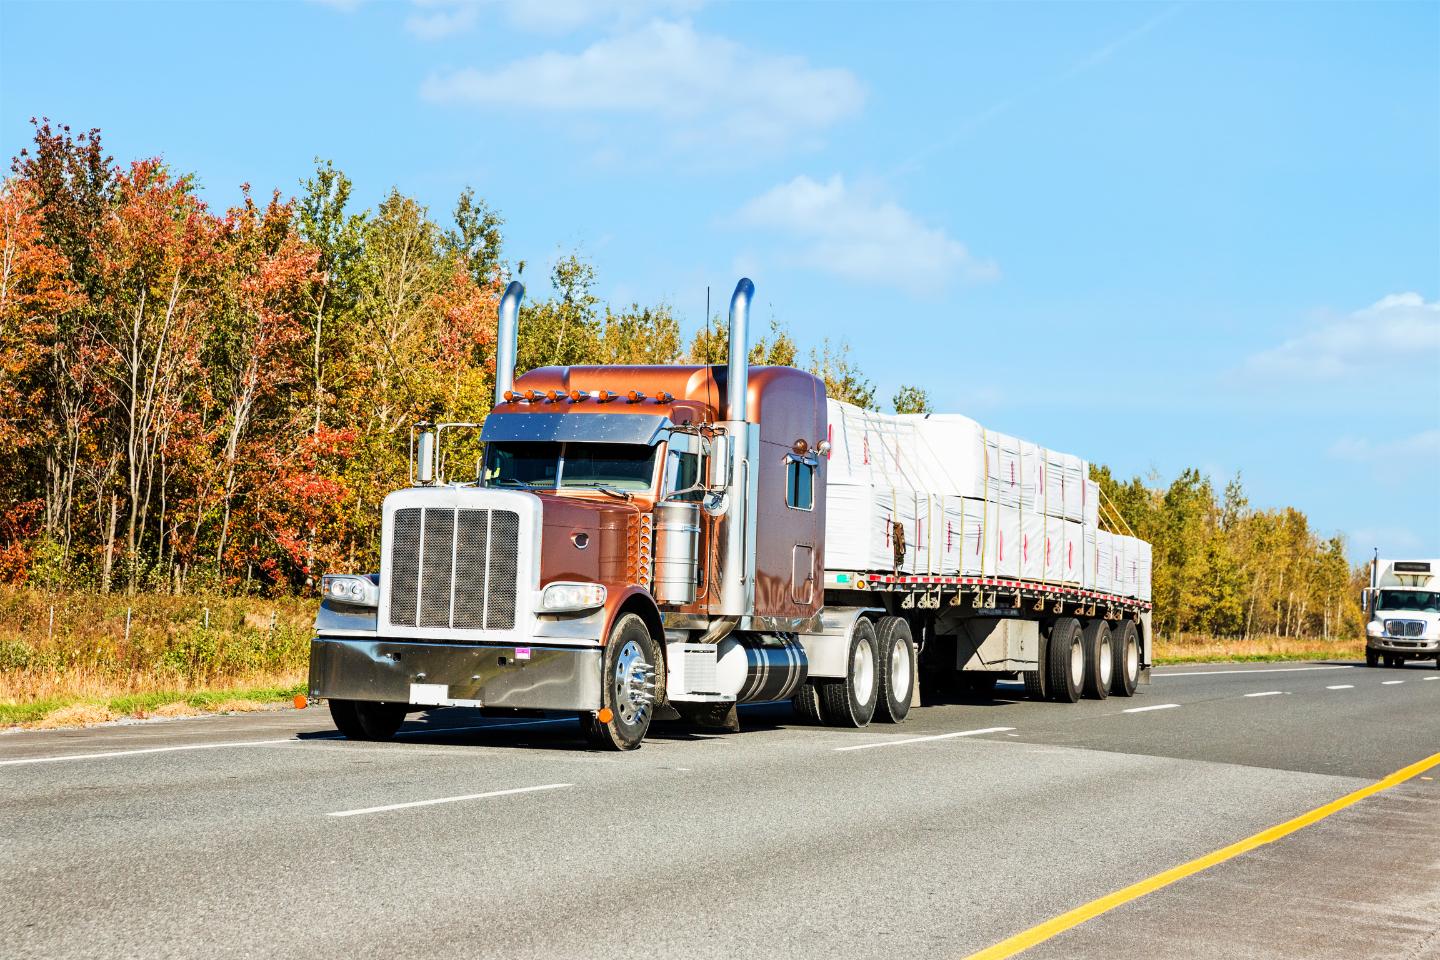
{"x": 440, "y": 674}
{"x": 1404, "y": 645}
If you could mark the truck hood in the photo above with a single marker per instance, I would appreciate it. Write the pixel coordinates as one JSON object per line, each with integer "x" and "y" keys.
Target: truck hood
{"x": 586, "y": 540}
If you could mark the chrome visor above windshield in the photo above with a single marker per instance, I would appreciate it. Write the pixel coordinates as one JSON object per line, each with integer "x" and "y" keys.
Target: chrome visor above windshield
{"x": 575, "y": 427}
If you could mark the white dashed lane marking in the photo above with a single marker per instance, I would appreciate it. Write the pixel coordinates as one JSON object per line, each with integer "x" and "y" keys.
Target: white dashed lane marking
{"x": 1157, "y": 706}
{"x": 1342, "y": 686}
{"x": 1266, "y": 693}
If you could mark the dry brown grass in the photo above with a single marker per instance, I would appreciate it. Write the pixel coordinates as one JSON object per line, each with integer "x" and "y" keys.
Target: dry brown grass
{"x": 75, "y": 715}
{"x": 1196, "y": 648}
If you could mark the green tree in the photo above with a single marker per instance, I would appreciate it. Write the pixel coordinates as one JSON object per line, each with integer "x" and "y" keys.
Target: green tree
{"x": 843, "y": 380}
{"x": 909, "y": 399}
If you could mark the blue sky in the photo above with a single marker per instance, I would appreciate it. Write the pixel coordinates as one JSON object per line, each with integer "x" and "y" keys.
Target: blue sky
{"x": 1157, "y": 235}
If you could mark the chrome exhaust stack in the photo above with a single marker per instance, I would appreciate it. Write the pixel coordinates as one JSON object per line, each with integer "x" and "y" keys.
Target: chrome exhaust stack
{"x": 507, "y": 333}
{"x": 737, "y": 526}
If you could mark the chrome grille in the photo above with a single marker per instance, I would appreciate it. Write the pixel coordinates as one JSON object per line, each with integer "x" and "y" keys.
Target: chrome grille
{"x": 1404, "y": 628}
{"x": 455, "y": 568}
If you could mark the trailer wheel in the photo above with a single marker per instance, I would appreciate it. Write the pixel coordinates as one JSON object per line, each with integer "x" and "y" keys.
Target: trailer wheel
{"x": 851, "y": 702}
{"x": 1099, "y": 660}
{"x": 807, "y": 703}
{"x": 1066, "y": 661}
{"x": 1125, "y": 648}
{"x": 1036, "y": 681}
{"x": 895, "y": 649}
{"x": 627, "y": 687}
{"x": 364, "y": 720}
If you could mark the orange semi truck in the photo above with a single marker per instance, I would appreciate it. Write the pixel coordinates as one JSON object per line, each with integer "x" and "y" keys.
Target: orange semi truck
{"x": 643, "y": 541}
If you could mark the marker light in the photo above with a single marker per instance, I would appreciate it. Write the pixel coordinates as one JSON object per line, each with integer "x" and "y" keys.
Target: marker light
{"x": 605, "y": 396}
{"x": 348, "y": 588}
{"x": 511, "y": 396}
{"x": 555, "y": 396}
{"x": 577, "y": 395}
{"x": 663, "y": 397}
{"x": 563, "y": 597}
{"x": 635, "y": 396}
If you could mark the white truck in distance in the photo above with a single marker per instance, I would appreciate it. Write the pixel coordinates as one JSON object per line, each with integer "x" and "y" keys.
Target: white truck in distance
{"x": 1402, "y": 605}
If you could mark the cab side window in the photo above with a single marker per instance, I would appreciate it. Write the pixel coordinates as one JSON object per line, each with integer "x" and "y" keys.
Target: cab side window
{"x": 682, "y": 471}
{"x": 799, "y": 484}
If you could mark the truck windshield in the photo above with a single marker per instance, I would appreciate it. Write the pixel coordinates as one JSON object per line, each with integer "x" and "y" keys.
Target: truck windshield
{"x": 551, "y": 466}
{"x": 1426, "y": 601}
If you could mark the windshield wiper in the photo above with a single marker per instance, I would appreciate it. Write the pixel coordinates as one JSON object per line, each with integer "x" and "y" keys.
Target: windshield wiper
{"x": 511, "y": 481}
{"x": 605, "y": 488}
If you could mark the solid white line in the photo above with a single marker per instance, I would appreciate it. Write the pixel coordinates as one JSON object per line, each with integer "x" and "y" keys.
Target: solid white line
{"x": 133, "y": 753}
{"x": 267, "y": 743}
{"x": 938, "y": 736}
{"x": 1390, "y": 683}
{"x": 431, "y": 803}
{"x": 1216, "y": 673}
{"x": 1157, "y": 706}
{"x": 1342, "y": 686}
{"x": 1266, "y": 693}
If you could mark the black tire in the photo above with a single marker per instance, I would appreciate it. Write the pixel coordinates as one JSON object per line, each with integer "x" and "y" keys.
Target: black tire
{"x": 627, "y": 687}
{"x": 1037, "y": 683}
{"x": 807, "y": 703}
{"x": 1099, "y": 659}
{"x": 848, "y": 703}
{"x": 1392, "y": 661}
{"x": 1065, "y": 662}
{"x": 1125, "y": 651}
{"x": 365, "y": 720}
{"x": 1372, "y": 658}
{"x": 895, "y": 653}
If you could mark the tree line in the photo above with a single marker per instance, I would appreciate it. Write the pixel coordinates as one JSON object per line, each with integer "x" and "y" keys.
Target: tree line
{"x": 200, "y": 399}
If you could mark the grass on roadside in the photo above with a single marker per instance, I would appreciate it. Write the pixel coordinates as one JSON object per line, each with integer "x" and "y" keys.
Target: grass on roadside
{"x": 1190, "y": 648}
{"x": 72, "y": 711}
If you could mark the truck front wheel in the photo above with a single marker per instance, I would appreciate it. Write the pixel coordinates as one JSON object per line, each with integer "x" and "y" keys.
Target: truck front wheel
{"x": 851, "y": 702}
{"x": 627, "y": 687}
{"x": 1372, "y": 658}
{"x": 363, "y": 720}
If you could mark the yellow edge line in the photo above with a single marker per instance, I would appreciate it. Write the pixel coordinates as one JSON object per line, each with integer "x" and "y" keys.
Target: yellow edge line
{"x": 1050, "y": 928}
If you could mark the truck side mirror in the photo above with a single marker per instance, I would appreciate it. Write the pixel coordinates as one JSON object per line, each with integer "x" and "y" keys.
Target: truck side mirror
{"x": 720, "y": 464}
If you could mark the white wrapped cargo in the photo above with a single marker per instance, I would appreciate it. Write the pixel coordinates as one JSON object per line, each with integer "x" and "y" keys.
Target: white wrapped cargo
{"x": 938, "y": 495}
{"x": 1002, "y": 469}
{"x": 1032, "y": 546}
{"x": 1143, "y": 569}
{"x": 1104, "y": 562}
{"x": 1073, "y": 554}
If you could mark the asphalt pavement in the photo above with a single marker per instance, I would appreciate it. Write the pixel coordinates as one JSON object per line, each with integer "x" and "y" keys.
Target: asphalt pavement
{"x": 267, "y": 835}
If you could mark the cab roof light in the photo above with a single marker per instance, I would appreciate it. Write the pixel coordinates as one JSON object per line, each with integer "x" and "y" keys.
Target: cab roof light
{"x": 663, "y": 397}
{"x": 577, "y": 396}
{"x": 635, "y": 396}
{"x": 605, "y": 396}
{"x": 534, "y": 396}
{"x": 512, "y": 397}
{"x": 555, "y": 396}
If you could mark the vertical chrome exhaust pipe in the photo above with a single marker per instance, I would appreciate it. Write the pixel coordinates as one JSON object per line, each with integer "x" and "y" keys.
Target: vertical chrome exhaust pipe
{"x": 737, "y": 372}
{"x": 507, "y": 333}
{"x": 737, "y": 527}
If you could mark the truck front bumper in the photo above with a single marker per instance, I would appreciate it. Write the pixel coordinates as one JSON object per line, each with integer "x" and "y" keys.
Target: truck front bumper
{"x": 456, "y": 674}
{"x": 1414, "y": 646}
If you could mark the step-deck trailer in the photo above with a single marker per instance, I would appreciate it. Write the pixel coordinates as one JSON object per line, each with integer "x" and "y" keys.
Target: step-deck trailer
{"x": 643, "y": 540}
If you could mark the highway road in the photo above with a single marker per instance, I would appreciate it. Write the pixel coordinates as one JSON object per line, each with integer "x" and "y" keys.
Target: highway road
{"x": 265, "y": 835}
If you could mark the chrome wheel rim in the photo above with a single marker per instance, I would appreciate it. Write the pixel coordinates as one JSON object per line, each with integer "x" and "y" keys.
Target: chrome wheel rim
{"x": 634, "y": 684}
{"x": 862, "y": 671}
{"x": 1077, "y": 661}
{"x": 900, "y": 672}
{"x": 1132, "y": 660}
{"x": 1107, "y": 664}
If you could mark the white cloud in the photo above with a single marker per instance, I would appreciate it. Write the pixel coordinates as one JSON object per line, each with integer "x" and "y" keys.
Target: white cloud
{"x": 436, "y": 19}
{"x": 854, "y": 233}
{"x": 707, "y": 88}
{"x": 1398, "y": 335}
{"x": 1423, "y": 446}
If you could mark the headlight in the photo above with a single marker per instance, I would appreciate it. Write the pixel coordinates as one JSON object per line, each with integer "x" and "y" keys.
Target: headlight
{"x": 1375, "y": 628}
{"x": 569, "y": 597}
{"x": 356, "y": 590}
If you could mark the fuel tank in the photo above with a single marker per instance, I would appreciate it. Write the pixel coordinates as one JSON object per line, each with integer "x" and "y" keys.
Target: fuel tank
{"x": 760, "y": 666}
